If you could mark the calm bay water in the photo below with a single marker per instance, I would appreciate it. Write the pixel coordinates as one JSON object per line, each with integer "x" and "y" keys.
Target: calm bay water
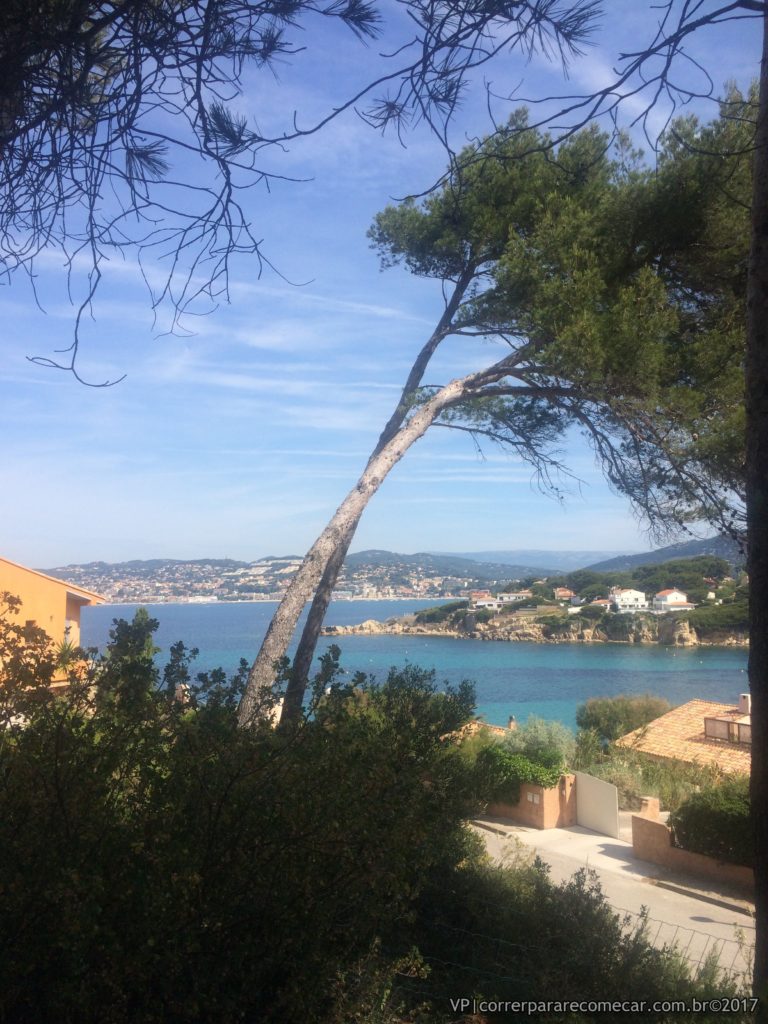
{"x": 548, "y": 680}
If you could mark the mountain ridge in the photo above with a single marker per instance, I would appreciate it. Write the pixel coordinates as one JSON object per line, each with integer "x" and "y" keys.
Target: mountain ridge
{"x": 513, "y": 563}
{"x": 719, "y": 546}
{"x": 446, "y": 564}
{"x": 374, "y": 570}
{"x": 537, "y": 559}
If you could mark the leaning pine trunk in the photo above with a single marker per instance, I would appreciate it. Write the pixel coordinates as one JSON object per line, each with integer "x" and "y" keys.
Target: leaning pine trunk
{"x": 305, "y": 652}
{"x": 333, "y": 539}
{"x": 302, "y": 662}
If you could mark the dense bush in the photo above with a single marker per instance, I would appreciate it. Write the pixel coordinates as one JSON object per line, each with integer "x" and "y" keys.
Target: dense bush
{"x": 502, "y": 772}
{"x": 554, "y": 624}
{"x": 589, "y": 751}
{"x": 687, "y": 574}
{"x": 636, "y": 776}
{"x": 512, "y": 934}
{"x": 592, "y": 612}
{"x": 720, "y": 618}
{"x": 611, "y": 717}
{"x": 441, "y": 612}
{"x": 159, "y": 864}
{"x": 551, "y": 744}
{"x": 716, "y": 822}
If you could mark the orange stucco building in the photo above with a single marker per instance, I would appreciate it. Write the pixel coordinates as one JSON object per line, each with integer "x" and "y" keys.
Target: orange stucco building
{"x": 51, "y": 604}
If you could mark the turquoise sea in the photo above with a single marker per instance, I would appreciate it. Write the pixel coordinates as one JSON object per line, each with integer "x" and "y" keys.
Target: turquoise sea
{"x": 548, "y": 680}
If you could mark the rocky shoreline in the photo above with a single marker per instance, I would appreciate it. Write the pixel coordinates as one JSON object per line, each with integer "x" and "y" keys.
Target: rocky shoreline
{"x": 627, "y": 629}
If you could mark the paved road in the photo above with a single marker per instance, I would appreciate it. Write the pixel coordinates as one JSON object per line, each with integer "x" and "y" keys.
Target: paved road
{"x": 677, "y": 915}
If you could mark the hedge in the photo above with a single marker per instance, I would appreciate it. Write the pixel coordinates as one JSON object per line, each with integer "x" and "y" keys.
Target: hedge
{"x": 716, "y": 822}
{"x": 504, "y": 773}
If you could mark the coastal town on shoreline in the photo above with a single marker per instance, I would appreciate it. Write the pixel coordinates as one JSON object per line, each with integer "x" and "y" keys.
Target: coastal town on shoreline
{"x": 201, "y": 581}
{"x": 695, "y": 599}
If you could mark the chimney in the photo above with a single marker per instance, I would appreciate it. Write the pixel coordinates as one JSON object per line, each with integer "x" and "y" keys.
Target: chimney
{"x": 745, "y": 704}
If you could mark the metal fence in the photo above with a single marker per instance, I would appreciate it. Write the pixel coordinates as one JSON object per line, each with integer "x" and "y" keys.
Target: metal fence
{"x": 734, "y": 956}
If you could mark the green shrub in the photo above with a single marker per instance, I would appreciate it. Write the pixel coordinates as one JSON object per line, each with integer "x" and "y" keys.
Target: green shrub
{"x": 589, "y": 750}
{"x": 514, "y": 934}
{"x": 716, "y": 822}
{"x": 440, "y": 612}
{"x": 612, "y": 717}
{"x": 636, "y": 776}
{"x": 549, "y": 743}
{"x": 502, "y": 773}
{"x": 553, "y": 623}
{"x": 720, "y": 618}
{"x": 592, "y": 612}
{"x": 556, "y": 625}
{"x": 159, "y": 863}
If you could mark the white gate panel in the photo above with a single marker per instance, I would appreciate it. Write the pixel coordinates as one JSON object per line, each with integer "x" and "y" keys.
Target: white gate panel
{"x": 597, "y": 805}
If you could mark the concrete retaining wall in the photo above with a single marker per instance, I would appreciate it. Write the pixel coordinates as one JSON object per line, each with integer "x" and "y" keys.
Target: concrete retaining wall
{"x": 541, "y": 808}
{"x": 652, "y": 841}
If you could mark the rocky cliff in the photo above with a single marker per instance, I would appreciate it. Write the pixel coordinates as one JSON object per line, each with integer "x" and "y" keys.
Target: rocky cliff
{"x": 630, "y": 629}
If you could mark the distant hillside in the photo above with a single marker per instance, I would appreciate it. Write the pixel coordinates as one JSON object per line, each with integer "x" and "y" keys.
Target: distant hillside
{"x": 536, "y": 561}
{"x": 365, "y": 574}
{"x": 443, "y": 565}
{"x": 145, "y": 566}
{"x": 720, "y": 547}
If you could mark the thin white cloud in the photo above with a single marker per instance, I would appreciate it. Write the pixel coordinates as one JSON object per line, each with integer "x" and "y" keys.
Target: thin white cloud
{"x": 458, "y": 457}
{"x": 271, "y": 452}
{"x": 278, "y": 386}
{"x": 427, "y": 499}
{"x": 300, "y": 296}
{"x": 332, "y": 418}
{"x": 478, "y": 478}
{"x": 282, "y": 336}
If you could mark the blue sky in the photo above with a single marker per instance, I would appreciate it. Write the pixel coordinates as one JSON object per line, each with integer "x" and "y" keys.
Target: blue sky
{"x": 240, "y": 439}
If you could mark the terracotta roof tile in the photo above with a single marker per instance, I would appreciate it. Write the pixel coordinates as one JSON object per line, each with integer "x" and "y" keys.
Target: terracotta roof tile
{"x": 680, "y": 735}
{"x": 475, "y": 726}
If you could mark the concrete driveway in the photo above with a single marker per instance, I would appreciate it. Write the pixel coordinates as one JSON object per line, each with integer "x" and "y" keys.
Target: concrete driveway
{"x": 681, "y": 910}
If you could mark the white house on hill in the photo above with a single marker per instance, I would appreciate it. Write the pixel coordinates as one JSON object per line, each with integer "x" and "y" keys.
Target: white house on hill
{"x": 517, "y": 595}
{"x": 671, "y": 601}
{"x": 627, "y": 600}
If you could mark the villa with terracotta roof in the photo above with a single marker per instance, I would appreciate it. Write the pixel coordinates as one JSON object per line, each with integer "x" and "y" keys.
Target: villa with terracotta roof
{"x": 671, "y": 601}
{"x": 701, "y": 731}
{"x": 510, "y": 597}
